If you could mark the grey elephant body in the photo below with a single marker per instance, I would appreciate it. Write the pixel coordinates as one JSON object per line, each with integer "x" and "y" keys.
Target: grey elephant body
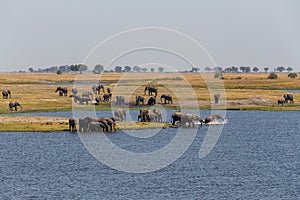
{"x": 214, "y": 118}
{"x": 139, "y": 100}
{"x": 14, "y": 106}
{"x": 167, "y": 98}
{"x": 288, "y": 97}
{"x": 72, "y": 125}
{"x": 6, "y": 94}
{"x": 150, "y": 90}
{"x": 120, "y": 114}
{"x": 120, "y": 100}
{"x": 62, "y": 91}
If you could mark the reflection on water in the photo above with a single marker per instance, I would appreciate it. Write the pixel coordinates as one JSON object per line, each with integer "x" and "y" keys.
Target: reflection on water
{"x": 256, "y": 157}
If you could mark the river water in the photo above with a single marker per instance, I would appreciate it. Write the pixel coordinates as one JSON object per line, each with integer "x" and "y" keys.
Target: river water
{"x": 257, "y": 156}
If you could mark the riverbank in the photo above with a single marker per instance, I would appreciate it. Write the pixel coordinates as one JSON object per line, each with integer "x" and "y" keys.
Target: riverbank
{"x": 242, "y": 91}
{"x": 55, "y": 124}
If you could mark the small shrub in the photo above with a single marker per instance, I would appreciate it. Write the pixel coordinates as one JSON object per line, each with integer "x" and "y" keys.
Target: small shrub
{"x": 272, "y": 76}
{"x": 292, "y": 75}
{"x": 59, "y": 72}
{"x": 217, "y": 75}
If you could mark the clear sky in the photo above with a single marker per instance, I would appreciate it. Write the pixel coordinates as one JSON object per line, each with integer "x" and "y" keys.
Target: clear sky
{"x": 235, "y": 32}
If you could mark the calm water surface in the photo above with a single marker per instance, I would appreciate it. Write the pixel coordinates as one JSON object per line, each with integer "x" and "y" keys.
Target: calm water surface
{"x": 256, "y": 157}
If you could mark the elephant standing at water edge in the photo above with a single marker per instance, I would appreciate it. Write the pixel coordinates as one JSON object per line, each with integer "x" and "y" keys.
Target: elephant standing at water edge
{"x": 72, "y": 125}
{"x": 184, "y": 118}
{"x": 120, "y": 115}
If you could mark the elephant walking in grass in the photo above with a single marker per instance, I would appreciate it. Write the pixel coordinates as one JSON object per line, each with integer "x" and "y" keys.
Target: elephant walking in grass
{"x": 62, "y": 91}
{"x": 139, "y": 100}
{"x": 281, "y": 102}
{"x": 167, "y": 99}
{"x": 151, "y": 101}
{"x": 120, "y": 115}
{"x": 288, "y": 97}
{"x": 6, "y": 94}
{"x": 151, "y": 90}
{"x": 14, "y": 106}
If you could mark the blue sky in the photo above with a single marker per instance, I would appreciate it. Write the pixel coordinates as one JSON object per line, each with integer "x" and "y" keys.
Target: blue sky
{"x": 45, "y": 33}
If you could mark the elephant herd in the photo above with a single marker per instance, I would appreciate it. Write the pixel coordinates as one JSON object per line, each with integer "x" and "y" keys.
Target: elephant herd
{"x": 287, "y": 98}
{"x": 178, "y": 119}
{"x": 13, "y": 106}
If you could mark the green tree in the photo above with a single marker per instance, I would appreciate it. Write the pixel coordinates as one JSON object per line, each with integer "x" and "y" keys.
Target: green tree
{"x": 266, "y": 69}
{"x": 98, "y": 69}
{"x": 161, "y": 69}
{"x": 144, "y": 69}
{"x": 152, "y": 69}
{"x": 280, "y": 69}
{"x": 30, "y": 69}
{"x": 289, "y": 69}
{"x": 272, "y": 76}
{"x": 127, "y": 69}
{"x": 208, "y": 69}
{"x": 136, "y": 69}
{"x": 255, "y": 69}
{"x": 118, "y": 69}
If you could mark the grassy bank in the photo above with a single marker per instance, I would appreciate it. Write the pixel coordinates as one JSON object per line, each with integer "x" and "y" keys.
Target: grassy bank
{"x": 35, "y": 91}
{"x": 54, "y": 124}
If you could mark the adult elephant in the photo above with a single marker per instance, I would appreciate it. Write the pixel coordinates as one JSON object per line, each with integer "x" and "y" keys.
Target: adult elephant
{"x": 72, "y": 125}
{"x": 288, "y": 97}
{"x": 216, "y": 97}
{"x": 139, "y": 100}
{"x": 111, "y": 122}
{"x": 84, "y": 122}
{"x": 176, "y": 116}
{"x": 120, "y": 114}
{"x": 62, "y": 91}
{"x": 74, "y": 91}
{"x": 144, "y": 116}
{"x": 97, "y": 89}
{"x": 96, "y": 126}
{"x": 152, "y": 101}
{"x": 190, "y": 119}
{"x": 155, "y": 115}
{"x": 14, "y": 106}
{"x": 6, "y": 94}
{"x": 85, "y": 100}
{"x": 107, "y": 97}
{"x": 151, "y": 90}
{"x": 167, "y": 98}
{"x": 120, "y": 100}
{"x": 213, "y": 118}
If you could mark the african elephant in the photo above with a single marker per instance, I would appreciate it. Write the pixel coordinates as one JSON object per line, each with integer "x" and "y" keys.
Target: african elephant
{"x": 111, "y": 122}
{"x": 213, "y": 118}
{"x": 288, "y": 97}
{"x": 216, "y": 97}
{"x": 96, "y": 126}
{"x": 152, "y": 101}
{"x": 83, "y": 123}
{"x": 120, "y": 100}
{"x": 96, "y": 89}
{"x": 72, "y": 125}
{"x": 120, "y": 114}
{"x": 190, "y": 119}
{"x": 144, "y": 116}
{"x": 6, "y": 94}
{"x": 62, "y": 91}
{"x": 14, "y": 105}
{"x": 139, "y": 100}
{"x": 151, "y": 90}
{"x": 280, "y": 102}
{"x": 74, "y": 91}
{"x": 107, "y": 97}
{"x": 167, "y": 98}
{"x": 155, "y": 115}
{"x": 176, "y": 116}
